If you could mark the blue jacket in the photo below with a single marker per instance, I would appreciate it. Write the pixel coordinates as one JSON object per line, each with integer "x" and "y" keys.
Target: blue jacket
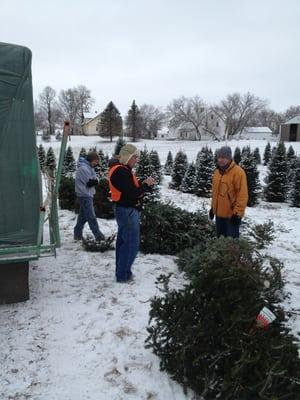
{"x": 84, "y": 173}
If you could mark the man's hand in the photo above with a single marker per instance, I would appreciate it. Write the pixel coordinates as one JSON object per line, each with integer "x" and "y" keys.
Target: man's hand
{"x": 235, "y": 220}
{"x": 149, "y": 181}
{"x": 92, "y": 182}
{"x": 211, "y": 214}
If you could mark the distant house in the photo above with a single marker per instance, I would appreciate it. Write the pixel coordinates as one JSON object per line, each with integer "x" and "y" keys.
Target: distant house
{"x": 256, "y": 132}
{"x": 290, "y": 130}
{"x": 212, "y": 128}
{"x": 89, "y": 127}
{"x": 166, "y": 134}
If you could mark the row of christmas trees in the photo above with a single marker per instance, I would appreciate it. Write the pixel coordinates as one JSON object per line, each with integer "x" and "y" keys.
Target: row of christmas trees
{"x": 282, "y": 180}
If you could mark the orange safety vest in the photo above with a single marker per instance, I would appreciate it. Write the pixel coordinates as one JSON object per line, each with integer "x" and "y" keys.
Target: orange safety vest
{"x": 115, "y": 193}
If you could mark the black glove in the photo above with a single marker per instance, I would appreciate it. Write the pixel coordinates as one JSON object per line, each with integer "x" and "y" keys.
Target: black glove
{"x": 92, "y": 182}
{"x": 211, "y": 214}
{"x": 235, "y": 220}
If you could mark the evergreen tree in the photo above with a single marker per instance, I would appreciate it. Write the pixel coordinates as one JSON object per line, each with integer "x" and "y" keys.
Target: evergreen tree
{"x": 66, "y": 194}
{"x": 237, "y": 155}
{"x": 290, "y": 153}
{"x": 207, "y": 333}
{"x": 204, "y": 171}
{"x": 69, "y": 165}
{"x": 101, "y": 168}
{"x": 133, "y": 122}
{"x": 295, "y": 192}
{"x": 291, "y": 159}
{"x": 110, "y": 123}
{"x": 82, "y": 153}
{"x": 246, "y": 151}
{"x": 155, "y": 166}
{"x": 273, "y": 151}
{"x": 276, "y": 188}
{"x": 267, "y": 154}
{"x": 120, "y": 143}
{"x": 42, "y": 157}
{"x": 249, "y": 164}
{"x": 143, "y": 170}
{"x": 179, "y": 169}
{"x": 168, "y": 168}
{"x": 188, "y": 182}
{"x": 50, "y": 161}
{"x": 257, "y": 156}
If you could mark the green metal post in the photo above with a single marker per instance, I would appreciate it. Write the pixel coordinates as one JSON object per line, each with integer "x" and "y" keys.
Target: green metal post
{"x": 54, "y": 213}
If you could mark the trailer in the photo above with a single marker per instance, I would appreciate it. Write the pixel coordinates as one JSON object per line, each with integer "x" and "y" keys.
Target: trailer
{"x": 23, "y": 210}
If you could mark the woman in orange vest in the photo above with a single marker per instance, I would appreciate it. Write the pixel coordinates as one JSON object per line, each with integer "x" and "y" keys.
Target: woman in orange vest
{"x": 229, "y": 194}
{"x": 126, "y": 193}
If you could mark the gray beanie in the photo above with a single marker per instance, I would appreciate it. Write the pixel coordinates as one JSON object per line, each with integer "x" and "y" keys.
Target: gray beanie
{"x": 225, "y": 152}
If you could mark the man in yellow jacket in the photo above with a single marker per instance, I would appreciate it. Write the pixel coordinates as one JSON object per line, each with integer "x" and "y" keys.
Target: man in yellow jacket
{"x": 229, "y": 194}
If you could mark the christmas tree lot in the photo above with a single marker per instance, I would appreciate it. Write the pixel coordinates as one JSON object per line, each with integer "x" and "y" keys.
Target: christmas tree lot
{"x": 224, "y": 333}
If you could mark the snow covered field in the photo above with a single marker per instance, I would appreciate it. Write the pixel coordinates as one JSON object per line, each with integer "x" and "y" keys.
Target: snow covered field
{"x": 81, "y": 335}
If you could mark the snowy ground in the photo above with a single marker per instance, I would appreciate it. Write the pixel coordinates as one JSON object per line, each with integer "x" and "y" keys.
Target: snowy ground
{"x": 81, "y": 335}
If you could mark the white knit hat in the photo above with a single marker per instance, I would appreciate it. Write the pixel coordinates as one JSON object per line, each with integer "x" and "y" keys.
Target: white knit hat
{"x": 126, "y": 152}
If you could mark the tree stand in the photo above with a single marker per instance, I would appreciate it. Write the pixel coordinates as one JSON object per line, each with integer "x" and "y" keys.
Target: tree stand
{"x": 14, "y": 282}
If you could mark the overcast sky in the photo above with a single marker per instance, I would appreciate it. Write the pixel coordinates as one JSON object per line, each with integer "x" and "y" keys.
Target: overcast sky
{"x": 154, "y": 51}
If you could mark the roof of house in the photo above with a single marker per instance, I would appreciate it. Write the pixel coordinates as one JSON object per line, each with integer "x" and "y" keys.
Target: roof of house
{"x": 257, "y": 129}
{"x": 295, "y": 120}
{"x": 88, "y": 118}
{"x": 187, "y": 126}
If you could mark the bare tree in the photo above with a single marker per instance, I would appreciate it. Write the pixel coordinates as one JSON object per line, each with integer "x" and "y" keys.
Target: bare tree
{"x": 85, "y": 101}
{"x": 74, "y": 103}
{"x": 69, "y": 102}
{"x": 291, "y": 112}
{"x": 187, "y": 109}
{"x": 48, "y": 109}
{"x": 269, "y": 118}
{"x": 236, "y": 111}
{"x": 152, "y": 119}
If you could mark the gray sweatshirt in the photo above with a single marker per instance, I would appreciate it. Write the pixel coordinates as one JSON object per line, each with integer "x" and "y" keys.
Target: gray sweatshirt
{"x": 84, "y": 172}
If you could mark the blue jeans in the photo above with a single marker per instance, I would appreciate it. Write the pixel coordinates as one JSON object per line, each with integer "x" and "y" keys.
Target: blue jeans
{"x": 128, "y": 240}
{"x": 226, "y": 228}
{"x": 87, "y": 214}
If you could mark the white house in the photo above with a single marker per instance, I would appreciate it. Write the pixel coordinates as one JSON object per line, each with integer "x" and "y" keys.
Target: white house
{"x": 212, "y": 128}
{"x": 90, "y": 124}
{"x": 166, "y": 134}
{"x": 256, "y": 132}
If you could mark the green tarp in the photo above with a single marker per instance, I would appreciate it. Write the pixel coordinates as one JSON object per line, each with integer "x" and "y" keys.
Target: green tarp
{"x": 20, "y": 184}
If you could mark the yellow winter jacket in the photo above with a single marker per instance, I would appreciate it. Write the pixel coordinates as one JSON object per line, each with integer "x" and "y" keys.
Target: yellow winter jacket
{"x": 229, "y": 191}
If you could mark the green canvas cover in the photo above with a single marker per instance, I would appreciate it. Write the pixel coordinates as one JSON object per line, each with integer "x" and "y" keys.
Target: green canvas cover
{"x": 20, "y": 183}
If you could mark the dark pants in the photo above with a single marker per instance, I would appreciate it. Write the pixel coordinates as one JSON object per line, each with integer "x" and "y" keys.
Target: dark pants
{"x": 87, "y": 214}
{"x": 226, "y": 228}
{"x": 128, "y": 241}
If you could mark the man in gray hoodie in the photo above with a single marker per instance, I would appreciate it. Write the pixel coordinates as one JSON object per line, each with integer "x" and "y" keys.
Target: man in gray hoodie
{"x": 85, "y": 182}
